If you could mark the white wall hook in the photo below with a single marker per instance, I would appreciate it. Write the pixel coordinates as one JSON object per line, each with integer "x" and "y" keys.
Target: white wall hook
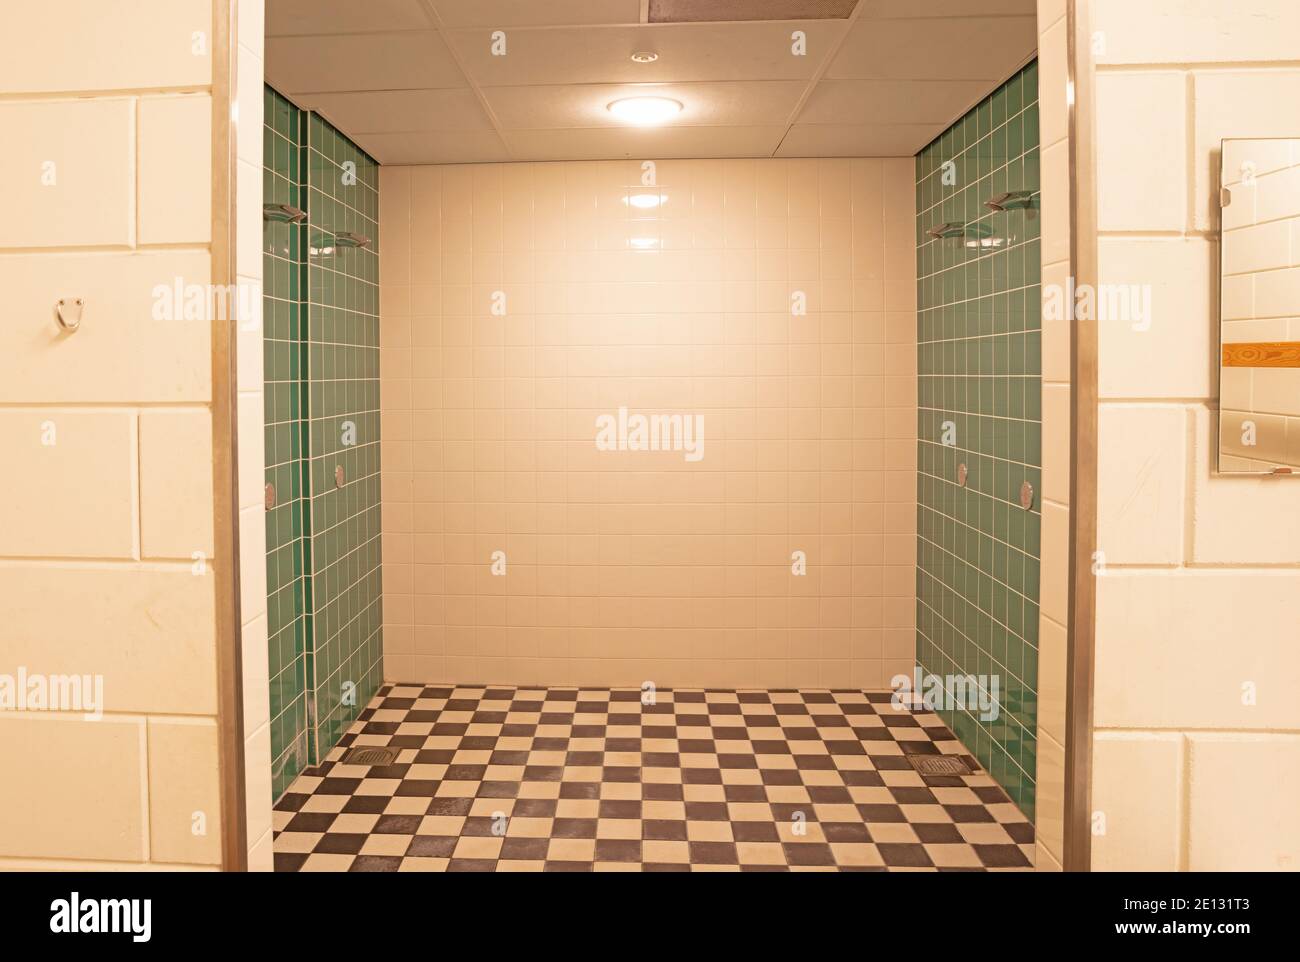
{"x": 68, "y": 312}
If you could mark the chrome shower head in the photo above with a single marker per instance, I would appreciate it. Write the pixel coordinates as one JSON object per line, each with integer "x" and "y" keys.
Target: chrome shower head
{"x": 940, "y": 231}
{"x": 282, "y": 213}
{"x": 327, "y": 243}
{"x": 350, "y": 239}
{"x": 1011, "y": 200}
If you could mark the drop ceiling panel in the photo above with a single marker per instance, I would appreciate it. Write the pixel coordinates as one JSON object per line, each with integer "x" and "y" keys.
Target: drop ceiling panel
{"x": 414, "y": 81}
{"x": 748, "y": 104}
{"x": 890, "y": 101}
{"x": 710, "y": 51}
{"x": 950, "y": 48}
{"x": 392, "y": 111}
{"x": 435, "y": 147}
{"x": 501, "y": 14}
{"x": 911, "y": 9}
{"x": 689, "y": 11}
{"x": 378, "y": 61}
{"x": 661, "y": 142}
{"x": 289, "y": 17}
{"x": 859, "y": 140}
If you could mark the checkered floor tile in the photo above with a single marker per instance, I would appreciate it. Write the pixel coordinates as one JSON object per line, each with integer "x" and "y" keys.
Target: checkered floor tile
{"x": 577, "y": 780}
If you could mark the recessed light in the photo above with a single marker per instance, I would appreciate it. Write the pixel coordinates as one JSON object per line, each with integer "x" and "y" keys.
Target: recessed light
{"x": 644, "y": 56}
{"x": 644, "y": 111}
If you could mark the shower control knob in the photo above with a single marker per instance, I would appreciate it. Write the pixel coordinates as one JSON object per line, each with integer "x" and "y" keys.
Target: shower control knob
{"x": 1026, "y": 495}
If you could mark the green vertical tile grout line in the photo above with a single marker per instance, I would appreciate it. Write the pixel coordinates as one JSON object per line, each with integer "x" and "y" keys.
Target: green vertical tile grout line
{"x": 979, "y": 409}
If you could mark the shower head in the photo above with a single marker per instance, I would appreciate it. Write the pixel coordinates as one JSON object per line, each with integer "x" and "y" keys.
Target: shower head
{"x": 350, "y": 239}
{"x": 327, "y": 243}
{"x": 940, "y": 231}
{"x": 1011, "y": 200}
{"x": 282, "y": 213}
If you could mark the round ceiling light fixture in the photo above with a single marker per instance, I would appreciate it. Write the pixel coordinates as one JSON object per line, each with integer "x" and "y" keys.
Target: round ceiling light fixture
{"x": 645, "y": 56}
{"x": 644, "y": 111}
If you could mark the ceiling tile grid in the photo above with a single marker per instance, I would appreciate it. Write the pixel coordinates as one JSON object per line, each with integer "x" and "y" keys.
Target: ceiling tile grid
{"x": 478, "y": 81}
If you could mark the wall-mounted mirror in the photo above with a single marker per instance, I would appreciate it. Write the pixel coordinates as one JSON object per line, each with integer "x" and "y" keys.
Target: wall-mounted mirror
{"x": 1259, "y": 316}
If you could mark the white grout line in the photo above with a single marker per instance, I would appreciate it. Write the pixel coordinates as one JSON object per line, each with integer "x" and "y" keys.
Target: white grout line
{"x": 432, "y": 13}
{"x": 146, "y": 799}
{"x": 820, "y": 72}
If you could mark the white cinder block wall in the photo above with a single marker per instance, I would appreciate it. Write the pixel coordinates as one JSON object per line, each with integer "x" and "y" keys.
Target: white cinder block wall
{"x": 1197, "y": 601}
{"x": 106, "y": 494}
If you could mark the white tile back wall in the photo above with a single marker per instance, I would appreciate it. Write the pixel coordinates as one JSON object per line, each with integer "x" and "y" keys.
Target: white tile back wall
{"x": 624, "y": 567}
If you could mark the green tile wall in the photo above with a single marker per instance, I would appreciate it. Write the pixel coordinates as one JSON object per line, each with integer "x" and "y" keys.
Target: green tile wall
{"x": 343, "y": 373}
{"x": 979, "y": 367}
{"x": 321, "y": 365}
{"x": 284, "y": 315}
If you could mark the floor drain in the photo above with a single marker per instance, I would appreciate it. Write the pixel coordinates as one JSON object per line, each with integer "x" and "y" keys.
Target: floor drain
{"x": 369, "y": 755}
{"x": 939, "y": 764}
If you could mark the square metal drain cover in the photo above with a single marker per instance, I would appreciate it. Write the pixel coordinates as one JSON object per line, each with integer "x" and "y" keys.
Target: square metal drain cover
{"x": 369, "y": 755}
{"x": 939, "y": 764}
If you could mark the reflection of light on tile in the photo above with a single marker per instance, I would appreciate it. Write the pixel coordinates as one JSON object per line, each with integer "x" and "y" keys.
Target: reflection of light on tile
{"x": 642, "y": 243}
{"x": 645, "y": 201}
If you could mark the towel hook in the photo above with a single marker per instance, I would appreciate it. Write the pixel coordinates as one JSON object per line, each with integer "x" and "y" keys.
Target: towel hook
{"x": 68, "y": 312}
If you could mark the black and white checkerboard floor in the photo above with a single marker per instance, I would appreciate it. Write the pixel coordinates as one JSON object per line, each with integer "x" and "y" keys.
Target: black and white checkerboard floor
{"x": 565, "y": 779}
